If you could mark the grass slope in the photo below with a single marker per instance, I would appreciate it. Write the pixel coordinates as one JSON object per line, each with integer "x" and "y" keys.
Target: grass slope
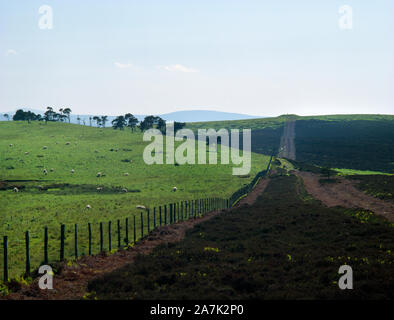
{"x": 67, "y": 194}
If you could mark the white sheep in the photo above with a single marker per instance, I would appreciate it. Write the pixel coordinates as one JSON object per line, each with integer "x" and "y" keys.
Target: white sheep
{"x": 72, "y": 171}
{"x": 88, "y": 207}
{"x": 124, "y": 190}
{"x": 11, "y": 145}
{"x": 52, "y": 170}
{"x": 45, "y": 171}
{"x": 126, "y": 174}
{"x": 44, "y": 147}
{"x": 174, "y": 189}
{"x": 16, "y": 189}
{"x": 67, "y": 143}
{"x": 99, "y": 188}
{"x": 140, "y": 207}
{"x": 26, "y": 153}
{"x": 98, "y": 175}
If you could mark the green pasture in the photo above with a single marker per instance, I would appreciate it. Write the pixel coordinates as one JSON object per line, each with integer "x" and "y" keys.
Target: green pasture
{"x": 65, "y": 195}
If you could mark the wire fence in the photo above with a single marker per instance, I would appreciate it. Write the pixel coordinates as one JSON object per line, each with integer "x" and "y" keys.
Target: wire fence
{"x": 74, "y": 241}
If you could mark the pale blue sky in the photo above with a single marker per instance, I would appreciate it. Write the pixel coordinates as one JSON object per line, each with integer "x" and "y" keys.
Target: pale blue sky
{"x": 149, "y": 57}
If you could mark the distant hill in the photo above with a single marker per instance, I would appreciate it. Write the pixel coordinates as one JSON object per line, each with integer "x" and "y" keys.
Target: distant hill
{"x": 179, "y": 116}
{"x": 205, "y": 115}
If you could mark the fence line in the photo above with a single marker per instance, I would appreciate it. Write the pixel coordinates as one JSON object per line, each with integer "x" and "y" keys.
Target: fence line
{"x": 177, "y": 212}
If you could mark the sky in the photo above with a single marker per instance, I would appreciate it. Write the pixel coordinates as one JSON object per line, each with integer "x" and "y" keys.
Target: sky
{"x": 262, "y": 58}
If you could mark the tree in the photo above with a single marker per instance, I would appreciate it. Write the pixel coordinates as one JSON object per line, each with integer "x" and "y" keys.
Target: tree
{"x": 104, "y": 119}
{"x": 98, "y": 120}
{"x": 7, "y": 116}
{"x": 28, "y": 116}
{"x": 131, "y": 121}
{"x": 119, "y": 123}
{"x": 67, "y": 113}
{"x": 149, "y": 122}
{"x": 79, "y": 120}
{"x": 179, "y": 126}
{"x": 161, "y": 125}
{"x": 90, "y": 121}
{"x": 49, "y": 115}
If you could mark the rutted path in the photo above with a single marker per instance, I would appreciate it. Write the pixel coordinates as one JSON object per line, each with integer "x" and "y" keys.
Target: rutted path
{"x": 287, "y": 145}
{"x": 346, "y": 195}
{"x": 72, "y": 282}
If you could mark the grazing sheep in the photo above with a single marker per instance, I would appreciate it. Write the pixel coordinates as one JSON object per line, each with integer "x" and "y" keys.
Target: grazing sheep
{"x": 99, "y": 188}
{"x": 88, "y": 207}
{"x": 52, "y": 170}
{"x": 67, "y": 143}
{"x": 40, "y": 188}
{"x": 141, "y": 207}
{"x": 126, "y": 174}
{"x": 16, "y": 189}
{"x": 26, "y": 153}
{"x": 45, "y": 171}
{"x": 72, "y": 171}
{"x": 11, "y": 145}
{"x": 99, "y": 174}
{"x": 174, "y": 189}
{"x": 124, "y": 190}
{"x": 44, "y": 147}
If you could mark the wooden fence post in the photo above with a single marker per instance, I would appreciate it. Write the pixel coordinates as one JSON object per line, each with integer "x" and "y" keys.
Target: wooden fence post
{"x": 46, "y": 245}
{"x": 90, "y": 238}
{"x": 101, "y": 237}
{"x": 118, "y": 234}
{"x": 127, "y": 231}
{"x": 154, "y": 218}
{"x": 76, "y": 241}
{"x": 62, "y": 238}
{"x": 160, "y": 220}
{"x": 109, "y": 236}
{"x": 148, "y": 221}
{"x": 27, "y": 238}
{"x": 171, "y": 213}
{"x": 165, "y": 214}
{"x": 142, "y": 225}
{"x": 5, "y": 248}
{"x": 135, "y": 235}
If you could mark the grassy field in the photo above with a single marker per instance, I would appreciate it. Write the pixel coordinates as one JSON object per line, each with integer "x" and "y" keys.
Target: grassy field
{"x": 286, "y": 246}
{"x": 87, "y": 151}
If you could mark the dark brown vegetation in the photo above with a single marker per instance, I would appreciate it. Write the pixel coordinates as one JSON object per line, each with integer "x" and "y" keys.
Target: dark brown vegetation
{"x": 285, "y": 246}
{"x": 379, "y": 186}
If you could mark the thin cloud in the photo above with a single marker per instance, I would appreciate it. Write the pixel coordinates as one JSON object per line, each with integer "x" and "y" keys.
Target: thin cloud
{"x": 179, "y": 68}
{"x": 123, "y": 65}
{"x": 11, "y": 52}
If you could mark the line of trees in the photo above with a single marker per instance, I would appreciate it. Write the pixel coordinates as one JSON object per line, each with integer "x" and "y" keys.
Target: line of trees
{"x": 62, "y": 115}
{"x": 149, "y": 122}
{"x": 120, "y": 122}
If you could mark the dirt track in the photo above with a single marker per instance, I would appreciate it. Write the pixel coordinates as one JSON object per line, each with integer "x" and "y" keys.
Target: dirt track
{"x": 287, "y": 145}
{"x": 72, "y": 282}
{"x": 346, "y": 195}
